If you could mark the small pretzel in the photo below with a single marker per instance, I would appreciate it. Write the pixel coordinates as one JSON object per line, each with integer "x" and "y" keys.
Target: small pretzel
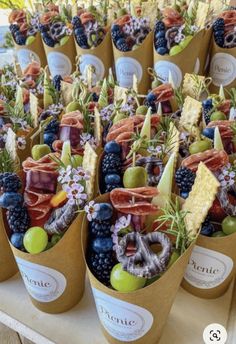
{"x": 151, "y": 165}
{"x": 223, "y": 197}
{"x": 144, "y": 262}
{"x": 230, "y": 40}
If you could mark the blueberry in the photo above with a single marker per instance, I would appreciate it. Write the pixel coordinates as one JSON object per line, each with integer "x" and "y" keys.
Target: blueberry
{"x": 105, "y": 212}
{"x": 79, "y": 31}
{"x": 151, "y": 97}
{"x": 162, "y": 50}
{"x": 160, "y": 34}
{"x": 207, "y": 229}
{"x": 112, "y": 147}
{"x": 49, "y": 138}
{"x": 10, "y": 199}
{"x": 184, "y": 194}
{"x": 102, "y": 245}
{"x": 207, "y": 102}
{"x": 209, "y": 132}
{"x": 17, "y": 240}
{"x": 112, "y": 179}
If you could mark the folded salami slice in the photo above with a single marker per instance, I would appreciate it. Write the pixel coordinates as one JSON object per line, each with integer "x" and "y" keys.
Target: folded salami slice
{"x": 135, "y": 201}
{"x": 72, "y": 119}
{"x": 45, "y": 164}
{"x": 163, "y": 92}
{"x": 212, "y": 158}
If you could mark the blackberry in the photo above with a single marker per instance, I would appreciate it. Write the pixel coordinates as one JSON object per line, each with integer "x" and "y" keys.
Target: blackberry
{"x": 101, "y": 265}
{"x": 20, "y": 39}
{"x": 111, "y": 163}
{"x": 52, "y": 127}
{"x": 18, "y": 219}
{"x": 159, "y": 26}
{"x": 116, "y": 33}
{"x": 43, "y": 28}
{"x": 100, "y": 229}
{"x": 219, "y": 24}
{"x": 207, "y": 228}
{"x": 14, "y": 28}
{"x": 57, "y": 82}
{"x": 79, "y": 31}
{"x": 82, "y": 41}
{"x": 10, "y": 182}
{"x": 76, "y": 22}
{"x": 122, "y": 45}
{"x": 184, "y": 178}
{"x": 207, "y": 106}
{"x": 161, "y": 43}
{"x": 48, "y": 40}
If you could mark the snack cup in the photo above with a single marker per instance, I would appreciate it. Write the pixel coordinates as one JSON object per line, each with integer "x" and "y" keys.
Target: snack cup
{"x": 187, "y": 61}
{"x": 204, "y": 55}
{"x": 135, "y": 62}
{"x": 61, "y": 60}
{"x": 222, "y": 68}
{"x": 34, "y": 51}
{"x": 8, "y": 267}
{"x": 136, "y": 317}
{"x": 55, "y": 278}
{"x": 100, "y": 57}
{"x": 211, "y": 267}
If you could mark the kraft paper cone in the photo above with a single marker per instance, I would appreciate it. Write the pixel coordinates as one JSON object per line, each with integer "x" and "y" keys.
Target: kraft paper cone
{"x": 140, "y": 316}
{"x": 187, "y": 61}
{"x": 204, "y": 54}
{"x": 222, "y": 68}
{"x": 211, "y": 267}
{"x": 61, "y": 60}
{"x": 23, "y": 154}
{"x": 55, "y": 278}
{"x": 34, "y": 51}
{"x": 135, "y": 62}
{"x": 8, "y": 267}
{"x": 100, "y": 57}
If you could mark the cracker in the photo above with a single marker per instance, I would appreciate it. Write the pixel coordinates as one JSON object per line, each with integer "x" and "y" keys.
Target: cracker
{"x": 191, "y": 113}
{"x": 217, "y": 7}
{"x": 200, "y": 198}
{"x": 193, "y": 85}
{"x": 34, "y": 109}
{"x": 120, "y": 93}
{"x": 11, "y": 145}
{"x": 66, "y": 92}
{"x": 90, "y": 161}
{"x": 97, "y": 126}
{"x": 202, "y": 13}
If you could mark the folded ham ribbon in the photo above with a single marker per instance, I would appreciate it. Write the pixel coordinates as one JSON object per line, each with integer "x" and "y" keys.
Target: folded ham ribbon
{"x": 72, "y": 119}
{"x": 172, "y": 17}
{"x": 125, "y": 128}
{"x": 224, "y": 127}
{"x": 32, "y": 70}
{"x": 163, "y": 92}
{"x": 17, "y": 16}
{"x": 45, "y": 164}
{"x": 213, "y": 159}
{"x": 47, "y": 17}
{"x": 135, "y": 201}
{"x": 230, "y": 20}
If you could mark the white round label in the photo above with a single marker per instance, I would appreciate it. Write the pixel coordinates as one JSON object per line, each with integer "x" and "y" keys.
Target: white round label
{"x": 43, "y": 284}
{"x": 197, "y": 66}
{"x": 25, "y": 56}
{"x": 88, "y": 59}
{"x": 126, "y": 67}
{"x": 162, "y": 69}
{"x": 223, "y": 69}
{"x": 122, "y": 320}
{"x": 59, "y": 64}
{"x": 207, "y": 268}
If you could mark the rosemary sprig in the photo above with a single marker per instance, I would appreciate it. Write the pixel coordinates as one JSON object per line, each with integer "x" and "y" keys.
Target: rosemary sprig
{"x": 6, "y": 162}
{"x": 174, "y": 217}
{"x": 232, "y": 95}
{"x": 179, "y": 96}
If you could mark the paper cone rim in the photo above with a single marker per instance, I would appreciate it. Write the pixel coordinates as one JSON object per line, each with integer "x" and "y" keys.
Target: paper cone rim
{"x": 132, "y": 52}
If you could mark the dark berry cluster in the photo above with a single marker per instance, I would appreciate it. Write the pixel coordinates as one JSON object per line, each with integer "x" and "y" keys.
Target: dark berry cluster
{"x": 100, "y": 253}
{"x": 57, "y": 82}
{"x": 10, "y": 182}
{"x": 18, "y": 219}
{"x": 79, "y": 33}
{"x": 111, "y": 167}
{"x": 19, "y": 37}
{"x": 219, "y": 31}
{"x": 207, "y": 228}
{"x": 51, "y": 133}
{"x": 184, "y": 178}
{"x": 207, "y": 106}
{"x": 160, "y": 41}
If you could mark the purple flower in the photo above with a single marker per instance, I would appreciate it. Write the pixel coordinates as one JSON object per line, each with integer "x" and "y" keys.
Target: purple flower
{"x": 91, "y": 210}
